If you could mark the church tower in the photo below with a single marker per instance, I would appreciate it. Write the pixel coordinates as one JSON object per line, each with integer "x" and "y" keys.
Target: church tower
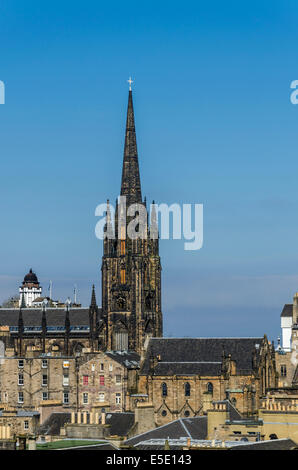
{"x": 131, "y": 270}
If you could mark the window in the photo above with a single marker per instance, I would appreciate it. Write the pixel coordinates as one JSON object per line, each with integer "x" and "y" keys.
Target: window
{"x": 26, "y": 424}
{"x": 66, "y": 398}
{"x": 45, "y": 396}
{"x": 164, "y": 390}
{"x": 21, "y": 363}
{"x": 164, "y": 413}
{"x": 102, "y": 366}
{"x": 85, "y": 379}
{"x": 93, "y": 367}
{"x": 44, "y": 363}
{"x": 118, "y": 398}
{"x": 44, "y": 380}
{"x": 209, "y": 387}
{"x": 110, "y": 367}
{"x": 65, "y": 364}
{"x": 21, "y": 397}
{"x": 122, "y": 275}
{"x": 101, "y": 397}
{"x": 187, "y": 389}
{"x": 186, "y": 413}
{"x": 283, "y": 370}
{"x": 85, "y": 398}
{"x": 101, "y": 380}
{"x": 118, "y": 379}
{"x": 21, "y": 379}
{"x": 65, "y": 380}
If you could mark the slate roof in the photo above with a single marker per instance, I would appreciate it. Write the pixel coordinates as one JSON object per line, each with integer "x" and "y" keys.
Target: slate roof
{"x": 78, "y": 316}
{"x": 24, "y": 413}
{"x": 198, "y": 355}
{"x": 120, "y": 423}
{"x": 128, "y": 359}
{"x": 179, "y": 444}
{"x": 274, "y": 444}
{"x": 52, "y": 425}
{"x": 195, "y": 428}
{"x": 287, "y": 311}
{"x": 101, "y": 446}
{"x": 188, "y": 368}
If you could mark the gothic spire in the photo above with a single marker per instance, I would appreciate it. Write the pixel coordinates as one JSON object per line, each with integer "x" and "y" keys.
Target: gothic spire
{"x": 23, "y": 303}
{"x": 131, "y": 184}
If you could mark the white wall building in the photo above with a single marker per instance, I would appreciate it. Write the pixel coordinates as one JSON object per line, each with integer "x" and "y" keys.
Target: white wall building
{"x": 30, "y": 289}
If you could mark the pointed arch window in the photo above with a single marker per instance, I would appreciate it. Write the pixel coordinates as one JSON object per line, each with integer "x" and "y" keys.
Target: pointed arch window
{"x": 164, "y": 389}
{"x": 187, "y": 389}
{"x": 209, "y": 387}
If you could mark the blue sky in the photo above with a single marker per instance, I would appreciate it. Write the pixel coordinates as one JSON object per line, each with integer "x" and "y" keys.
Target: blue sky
{"x": 215, "y": 125}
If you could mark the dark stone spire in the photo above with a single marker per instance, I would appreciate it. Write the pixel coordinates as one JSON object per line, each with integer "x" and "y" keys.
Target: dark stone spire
{"x": 93, "y": 298}
{"x": 67, "y": 328}
{"x": 131, "y": 184}
{"x": 44, "y": 327}
{"x": 20, "y": 323}
{"x": 23, "y": 303}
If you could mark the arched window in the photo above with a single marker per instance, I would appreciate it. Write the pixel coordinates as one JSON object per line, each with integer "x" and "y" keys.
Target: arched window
{"x": 187, "y": 389}
{"x": 164, "y": 390}
{"x": 273, "y": 436}
{"x": 209, "y": 387}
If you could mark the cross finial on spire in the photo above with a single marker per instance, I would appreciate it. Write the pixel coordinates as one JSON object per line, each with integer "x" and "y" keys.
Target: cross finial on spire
{"x": 130, "y": 81}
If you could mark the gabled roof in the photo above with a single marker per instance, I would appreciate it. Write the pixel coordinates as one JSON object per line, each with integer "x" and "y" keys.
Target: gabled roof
{"x": 195, "y": 428}
{"x": 198, "y": 355}
{"x": 287, "y": 311}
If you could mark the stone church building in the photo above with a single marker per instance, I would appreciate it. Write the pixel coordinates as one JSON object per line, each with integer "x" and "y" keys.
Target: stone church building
{"x": 75, "y": 357}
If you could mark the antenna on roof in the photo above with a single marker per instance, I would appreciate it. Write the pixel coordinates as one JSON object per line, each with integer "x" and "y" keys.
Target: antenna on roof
{"x": 50, "y": 289}
{"x": 75, "y": 293}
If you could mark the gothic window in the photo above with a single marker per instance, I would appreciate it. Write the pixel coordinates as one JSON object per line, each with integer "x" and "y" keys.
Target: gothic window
{"x": 121, "y": 303}
{"x": 122, "y": 247}
{"x": 187, "y": 389}
{"x": 122, "y": 276}
{"x": 283, "y": 370}
{"x": 164, "y": 390}
{"x": 149, "y": 301}
{"x": 209, "y": 387}
{"x": 121, "y": 340}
